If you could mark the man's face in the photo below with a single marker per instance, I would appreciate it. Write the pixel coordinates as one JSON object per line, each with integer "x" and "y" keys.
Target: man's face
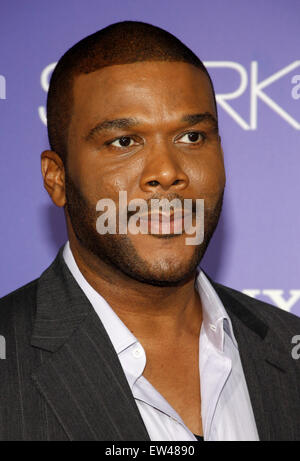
{"x": 159, "y": 148}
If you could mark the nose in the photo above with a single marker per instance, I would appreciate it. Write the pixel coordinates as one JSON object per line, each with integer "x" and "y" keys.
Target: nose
{"x": 163, "y": 170}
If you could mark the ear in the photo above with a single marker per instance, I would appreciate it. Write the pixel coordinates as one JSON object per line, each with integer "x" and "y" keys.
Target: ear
{"x": 53, "y": 172}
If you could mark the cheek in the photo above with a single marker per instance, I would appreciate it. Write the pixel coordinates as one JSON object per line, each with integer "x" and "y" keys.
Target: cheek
{"x": 106, "y": 181}
{"x": 102, "y": 177}
{"x": 208, "y": 176}
{"x": 113, "y": 176}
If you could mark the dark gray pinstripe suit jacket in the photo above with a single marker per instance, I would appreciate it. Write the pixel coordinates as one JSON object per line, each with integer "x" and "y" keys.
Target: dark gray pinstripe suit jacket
{"x": 62, "y": 380}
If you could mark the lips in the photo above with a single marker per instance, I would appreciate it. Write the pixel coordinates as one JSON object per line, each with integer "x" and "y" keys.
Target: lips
{"x": 162, "y": 223}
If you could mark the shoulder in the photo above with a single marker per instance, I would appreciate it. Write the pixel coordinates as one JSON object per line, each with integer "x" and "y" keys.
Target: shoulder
{"x": 242, "y": 304}
{"x": 18, "y": 304}
{"x": 24, "y": 293}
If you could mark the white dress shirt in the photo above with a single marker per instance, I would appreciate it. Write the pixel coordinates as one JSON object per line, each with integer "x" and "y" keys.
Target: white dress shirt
{"x": 225, "y": 404}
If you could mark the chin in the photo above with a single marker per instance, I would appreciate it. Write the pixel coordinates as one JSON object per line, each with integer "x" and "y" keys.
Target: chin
{"x": 166, "y": 271}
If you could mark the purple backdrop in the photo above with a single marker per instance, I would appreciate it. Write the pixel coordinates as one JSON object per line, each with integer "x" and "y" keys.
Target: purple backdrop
{"x": 252, "y": 50}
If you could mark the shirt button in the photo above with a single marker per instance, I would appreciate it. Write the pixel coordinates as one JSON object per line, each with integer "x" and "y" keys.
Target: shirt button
{"x": 212, "y": 327}
{"x": 137, "y": 353}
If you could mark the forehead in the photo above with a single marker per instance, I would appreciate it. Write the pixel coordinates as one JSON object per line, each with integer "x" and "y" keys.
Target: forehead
{"x": 143, "y": 89}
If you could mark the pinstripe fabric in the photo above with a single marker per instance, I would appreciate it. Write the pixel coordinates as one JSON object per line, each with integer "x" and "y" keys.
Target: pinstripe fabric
{"x": 62, "y": 380}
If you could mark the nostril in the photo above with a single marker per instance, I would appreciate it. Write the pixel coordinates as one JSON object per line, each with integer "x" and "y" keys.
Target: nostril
{"x": 153, "y": 183}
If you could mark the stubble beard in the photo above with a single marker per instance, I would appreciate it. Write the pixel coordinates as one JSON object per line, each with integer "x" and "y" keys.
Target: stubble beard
{"x": 118, "y": 251}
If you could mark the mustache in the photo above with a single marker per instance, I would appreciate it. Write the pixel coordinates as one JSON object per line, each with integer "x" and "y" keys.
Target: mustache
{"x": 169, "y": 198}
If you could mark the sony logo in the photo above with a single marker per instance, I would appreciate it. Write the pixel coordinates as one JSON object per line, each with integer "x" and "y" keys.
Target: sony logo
{"x": 276, "y": 297}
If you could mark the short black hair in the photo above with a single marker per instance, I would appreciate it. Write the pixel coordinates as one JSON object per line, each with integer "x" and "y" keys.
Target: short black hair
{"x": 120, "y": 43}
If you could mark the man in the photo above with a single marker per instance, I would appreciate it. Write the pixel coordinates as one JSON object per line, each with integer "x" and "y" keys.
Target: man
{"x": 124, "y": 337}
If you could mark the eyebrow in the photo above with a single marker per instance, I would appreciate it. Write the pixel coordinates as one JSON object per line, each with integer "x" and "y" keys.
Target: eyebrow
{"x": 193, "y": 119}
{"x": 125, "y": 123}
{"x": 110, "y": 125}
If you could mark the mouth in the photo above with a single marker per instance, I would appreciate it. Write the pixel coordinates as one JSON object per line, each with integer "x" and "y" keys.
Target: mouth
{"x": 158, "y": 223}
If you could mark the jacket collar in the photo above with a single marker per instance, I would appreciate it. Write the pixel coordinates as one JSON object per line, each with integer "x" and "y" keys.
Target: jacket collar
{"x": 61, "y": 306}
{"x": 82, "y": 380}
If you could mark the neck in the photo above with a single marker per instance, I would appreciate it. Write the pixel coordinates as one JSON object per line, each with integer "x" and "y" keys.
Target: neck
{"x": 148, "y": 311}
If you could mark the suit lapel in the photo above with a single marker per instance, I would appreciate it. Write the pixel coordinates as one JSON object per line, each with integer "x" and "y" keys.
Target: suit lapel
{"x": 82, "y": 380}
{"x": 269, "y": 371}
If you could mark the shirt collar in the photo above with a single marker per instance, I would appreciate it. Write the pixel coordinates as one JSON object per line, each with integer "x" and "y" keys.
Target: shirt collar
{"x": 215, "y": 318}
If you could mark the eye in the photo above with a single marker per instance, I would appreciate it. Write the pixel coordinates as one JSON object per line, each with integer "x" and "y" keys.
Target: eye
{"x": 193, "y": 137}
{"x": 124, "y": 141}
